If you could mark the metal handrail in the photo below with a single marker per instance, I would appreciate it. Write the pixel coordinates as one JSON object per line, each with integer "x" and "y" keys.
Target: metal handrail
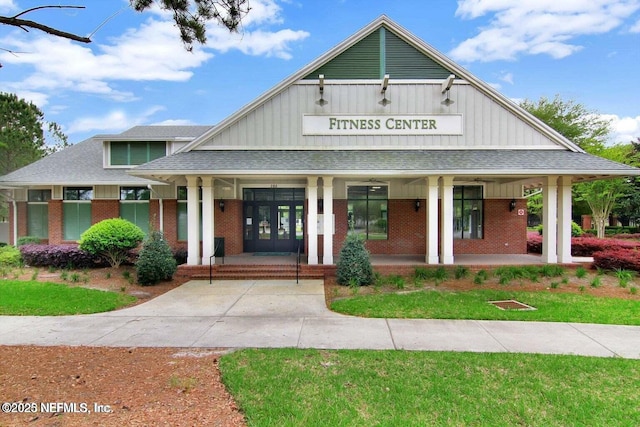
{"x": 215, "y": 251}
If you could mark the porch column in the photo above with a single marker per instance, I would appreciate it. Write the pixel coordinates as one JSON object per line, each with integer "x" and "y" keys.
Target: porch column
{"x": 208, "y": 212}
{"x": 446, "y": 224}
{"x": 549, "y": 219}
{"x": 327, "y": 191}
{"x": 431, "y": 257}
{"x": 193, "y": 221}
{"x": 312, "y": 220}
{"x": 564, "y": 220}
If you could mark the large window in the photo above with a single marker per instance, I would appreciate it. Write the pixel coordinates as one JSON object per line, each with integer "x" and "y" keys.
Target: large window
{"x": 136, "y": 153}
{"x": 367, "y": 211}
{"x": 467, "y": 208}
{"x": 76, "y": 211}
{"x": 38, "y": 213}
{"x": 183, "y": 230}
{"x": 134, "y": 206}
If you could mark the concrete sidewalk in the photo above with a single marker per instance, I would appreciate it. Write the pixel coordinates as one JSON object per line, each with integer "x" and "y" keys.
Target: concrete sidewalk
{"x": 279, "y": 313}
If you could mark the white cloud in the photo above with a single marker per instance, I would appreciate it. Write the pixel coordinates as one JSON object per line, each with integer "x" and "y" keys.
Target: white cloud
{"x": 532, "y": 27}
{"x": 623, "y": 129}
{"x": 636, "y": 27}
{"x": 507, "y": 77}
{"x": 174, "y": 122}
{"x": 7, "y": 6}
{"x": 113, "y": 121}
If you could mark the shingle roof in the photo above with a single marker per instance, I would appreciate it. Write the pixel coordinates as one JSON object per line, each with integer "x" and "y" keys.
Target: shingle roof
{"x": 159, "y": 132}
{"x": 458, "y": 162}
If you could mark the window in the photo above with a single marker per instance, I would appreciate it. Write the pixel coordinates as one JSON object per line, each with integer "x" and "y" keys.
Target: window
{"x": 136, "y": 153}
{"x": 367, "y": 211}
{"x": 134, "y": 206}
{"x": 38, "y": 213}
{"x": 182, "y": 213}
{"x": 76, "y": 211}
{"x": 467, "y": 212}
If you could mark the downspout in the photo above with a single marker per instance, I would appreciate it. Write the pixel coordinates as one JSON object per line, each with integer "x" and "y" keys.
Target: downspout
{"x": 15, "y": 222}
{"x": 161, "y": 206}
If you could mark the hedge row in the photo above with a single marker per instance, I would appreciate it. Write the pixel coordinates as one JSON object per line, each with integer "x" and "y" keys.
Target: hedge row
{"x": 625, "y": 259}
{"x": 585, "y": 246}
{"x": 58, "y": 256}
{"x": 70, "y": 256}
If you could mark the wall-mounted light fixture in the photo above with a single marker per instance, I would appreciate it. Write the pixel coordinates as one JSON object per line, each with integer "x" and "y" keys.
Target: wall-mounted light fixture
{"x": 383, "y": 90}
{"x": 416, "y": 205}
{"x": 512, "y": 205}
{"x": 321, "y": 102}
{"x": 446, "y": 87}
{"x": 221, "y": 205}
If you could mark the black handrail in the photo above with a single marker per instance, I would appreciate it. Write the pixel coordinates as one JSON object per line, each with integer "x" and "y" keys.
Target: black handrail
{"x": 215, "y": 251}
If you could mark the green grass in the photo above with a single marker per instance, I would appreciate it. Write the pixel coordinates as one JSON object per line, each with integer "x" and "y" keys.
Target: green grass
{"x": 551, "y": 307}
{"x": 30, "y": 298}
{"x": 289, "y": 387}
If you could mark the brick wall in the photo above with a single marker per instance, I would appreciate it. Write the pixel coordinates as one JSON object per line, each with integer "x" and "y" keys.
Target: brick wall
{"x": 228, "y": 224}
{"x": 55, "y": 222}
{"x": 171, "y": 223}
{"x": 504, "y": 232}
{"x": 104, "y": 209}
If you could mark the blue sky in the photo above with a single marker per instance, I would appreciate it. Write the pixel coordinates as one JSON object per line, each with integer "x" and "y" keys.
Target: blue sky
{"x": 136, "y": 71}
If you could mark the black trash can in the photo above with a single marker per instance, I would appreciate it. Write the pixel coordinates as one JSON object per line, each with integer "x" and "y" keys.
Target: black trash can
{"x": 218, "y": 247}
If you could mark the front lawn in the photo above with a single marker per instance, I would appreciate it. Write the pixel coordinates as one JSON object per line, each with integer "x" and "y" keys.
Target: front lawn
{"x": 289, "y": 387}
{"x": 447, "y": 304}
{"x": 33, "y": 298}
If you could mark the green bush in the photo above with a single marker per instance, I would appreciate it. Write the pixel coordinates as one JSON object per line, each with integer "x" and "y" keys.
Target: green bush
{"x": 155, "y": 261}
{"x": 28, "y": 240}
{"x": 111, "y": 239}
{"x": 576, "y": 230}
{"x": 354, "y": 264}
{"x": 10, "y": 256}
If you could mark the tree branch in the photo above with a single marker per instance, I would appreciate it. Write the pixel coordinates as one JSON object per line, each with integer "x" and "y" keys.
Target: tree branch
{"x": 25, "y": 24}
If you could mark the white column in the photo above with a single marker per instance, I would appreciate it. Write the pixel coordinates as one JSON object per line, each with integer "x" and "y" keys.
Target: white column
{"x": 193, "y": 221}
{"x": 327, "y": 195}
{"x": 564, "y": 220}
{"x": 208, "y": 213}
{"x": 549, "y": 219}
{"x": 431, "y": 257}
{"x": 446, "y": 225}
{"x": 312, "y": 220}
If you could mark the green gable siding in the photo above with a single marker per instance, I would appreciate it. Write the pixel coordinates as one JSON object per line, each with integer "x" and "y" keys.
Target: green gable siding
{"x": 380, "y": 53}
{"x": 406, "y": 62}
{"x": 361, "y": 61}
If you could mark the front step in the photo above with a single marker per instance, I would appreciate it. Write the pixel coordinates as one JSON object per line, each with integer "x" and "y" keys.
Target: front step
{"x": 239, "y": 272}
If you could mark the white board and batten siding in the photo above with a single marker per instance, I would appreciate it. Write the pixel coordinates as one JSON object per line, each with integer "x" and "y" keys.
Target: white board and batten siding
{"x": 277, "y": 123}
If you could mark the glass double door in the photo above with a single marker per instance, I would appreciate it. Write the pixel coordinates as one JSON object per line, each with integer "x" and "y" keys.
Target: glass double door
{"x": 271, "y": 226}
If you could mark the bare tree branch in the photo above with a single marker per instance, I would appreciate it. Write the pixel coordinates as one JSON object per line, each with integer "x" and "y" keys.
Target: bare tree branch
{"x": 25, "y": 24}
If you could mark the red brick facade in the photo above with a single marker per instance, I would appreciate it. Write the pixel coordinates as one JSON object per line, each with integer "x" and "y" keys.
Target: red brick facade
{"x": 504, "y": 230}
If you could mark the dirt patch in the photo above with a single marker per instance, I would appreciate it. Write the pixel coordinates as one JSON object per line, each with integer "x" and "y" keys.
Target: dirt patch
{"x": 80, "y": 386}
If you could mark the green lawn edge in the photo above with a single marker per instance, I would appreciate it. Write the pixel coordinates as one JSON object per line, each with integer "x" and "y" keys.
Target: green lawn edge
{"x": 33, "y": 298}
{"x": 473, "y": 305}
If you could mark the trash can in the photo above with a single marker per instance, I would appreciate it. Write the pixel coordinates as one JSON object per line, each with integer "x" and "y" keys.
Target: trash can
{"x": 218, "y": 247}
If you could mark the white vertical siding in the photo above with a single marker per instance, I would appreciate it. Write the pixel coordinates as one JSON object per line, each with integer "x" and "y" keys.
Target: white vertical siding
{"x": 277, "y": 123}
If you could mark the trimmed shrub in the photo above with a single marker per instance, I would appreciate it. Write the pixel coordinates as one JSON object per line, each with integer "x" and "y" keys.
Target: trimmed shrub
{"x": 155, "y": 260}
{"x": 576, "y": 230}
{"x": 354, "y": 266}
{"x": 584, "y": 246}
{"x": 534, "y": 244}
{"x": 28, "y": 240}
{"x": 10, "y": 256}
{"x": 111, "y": 239}
{"x": 58, "y": 256}
{"x": 621, "y": 259}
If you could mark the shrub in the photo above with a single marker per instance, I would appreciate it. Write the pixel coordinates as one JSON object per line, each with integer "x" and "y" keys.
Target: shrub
{"x": 28, "y": 240}
{"x": 354, "y": 263}
{"x": 584, "y": 246}
{"x": 10, "y": 256}
{"x": 155, "y": 261}
{"x": 111, "y": 239}
{"x": 576, "y": 230}
{"x": 180, "y": 255}
{"x": 619, "y": 258}
{"x": 58, "y": 256}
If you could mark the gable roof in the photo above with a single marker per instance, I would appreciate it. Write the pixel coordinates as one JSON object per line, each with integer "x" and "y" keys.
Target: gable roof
{"x": 82, "y": 163}
{"x": 399, "y": 33}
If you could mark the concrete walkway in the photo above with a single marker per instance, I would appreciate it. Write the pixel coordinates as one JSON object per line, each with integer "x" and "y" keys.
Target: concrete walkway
{"x": 282, "y": 314}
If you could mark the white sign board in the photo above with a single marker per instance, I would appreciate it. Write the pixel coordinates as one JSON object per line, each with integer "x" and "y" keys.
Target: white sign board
{"x": 434, "y": 124}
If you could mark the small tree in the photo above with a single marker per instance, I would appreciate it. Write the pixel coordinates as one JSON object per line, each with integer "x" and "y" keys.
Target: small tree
{"x": 155, "y": 261}
{"x": 111, "y": 239}
{"x": 354, "y": 266}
